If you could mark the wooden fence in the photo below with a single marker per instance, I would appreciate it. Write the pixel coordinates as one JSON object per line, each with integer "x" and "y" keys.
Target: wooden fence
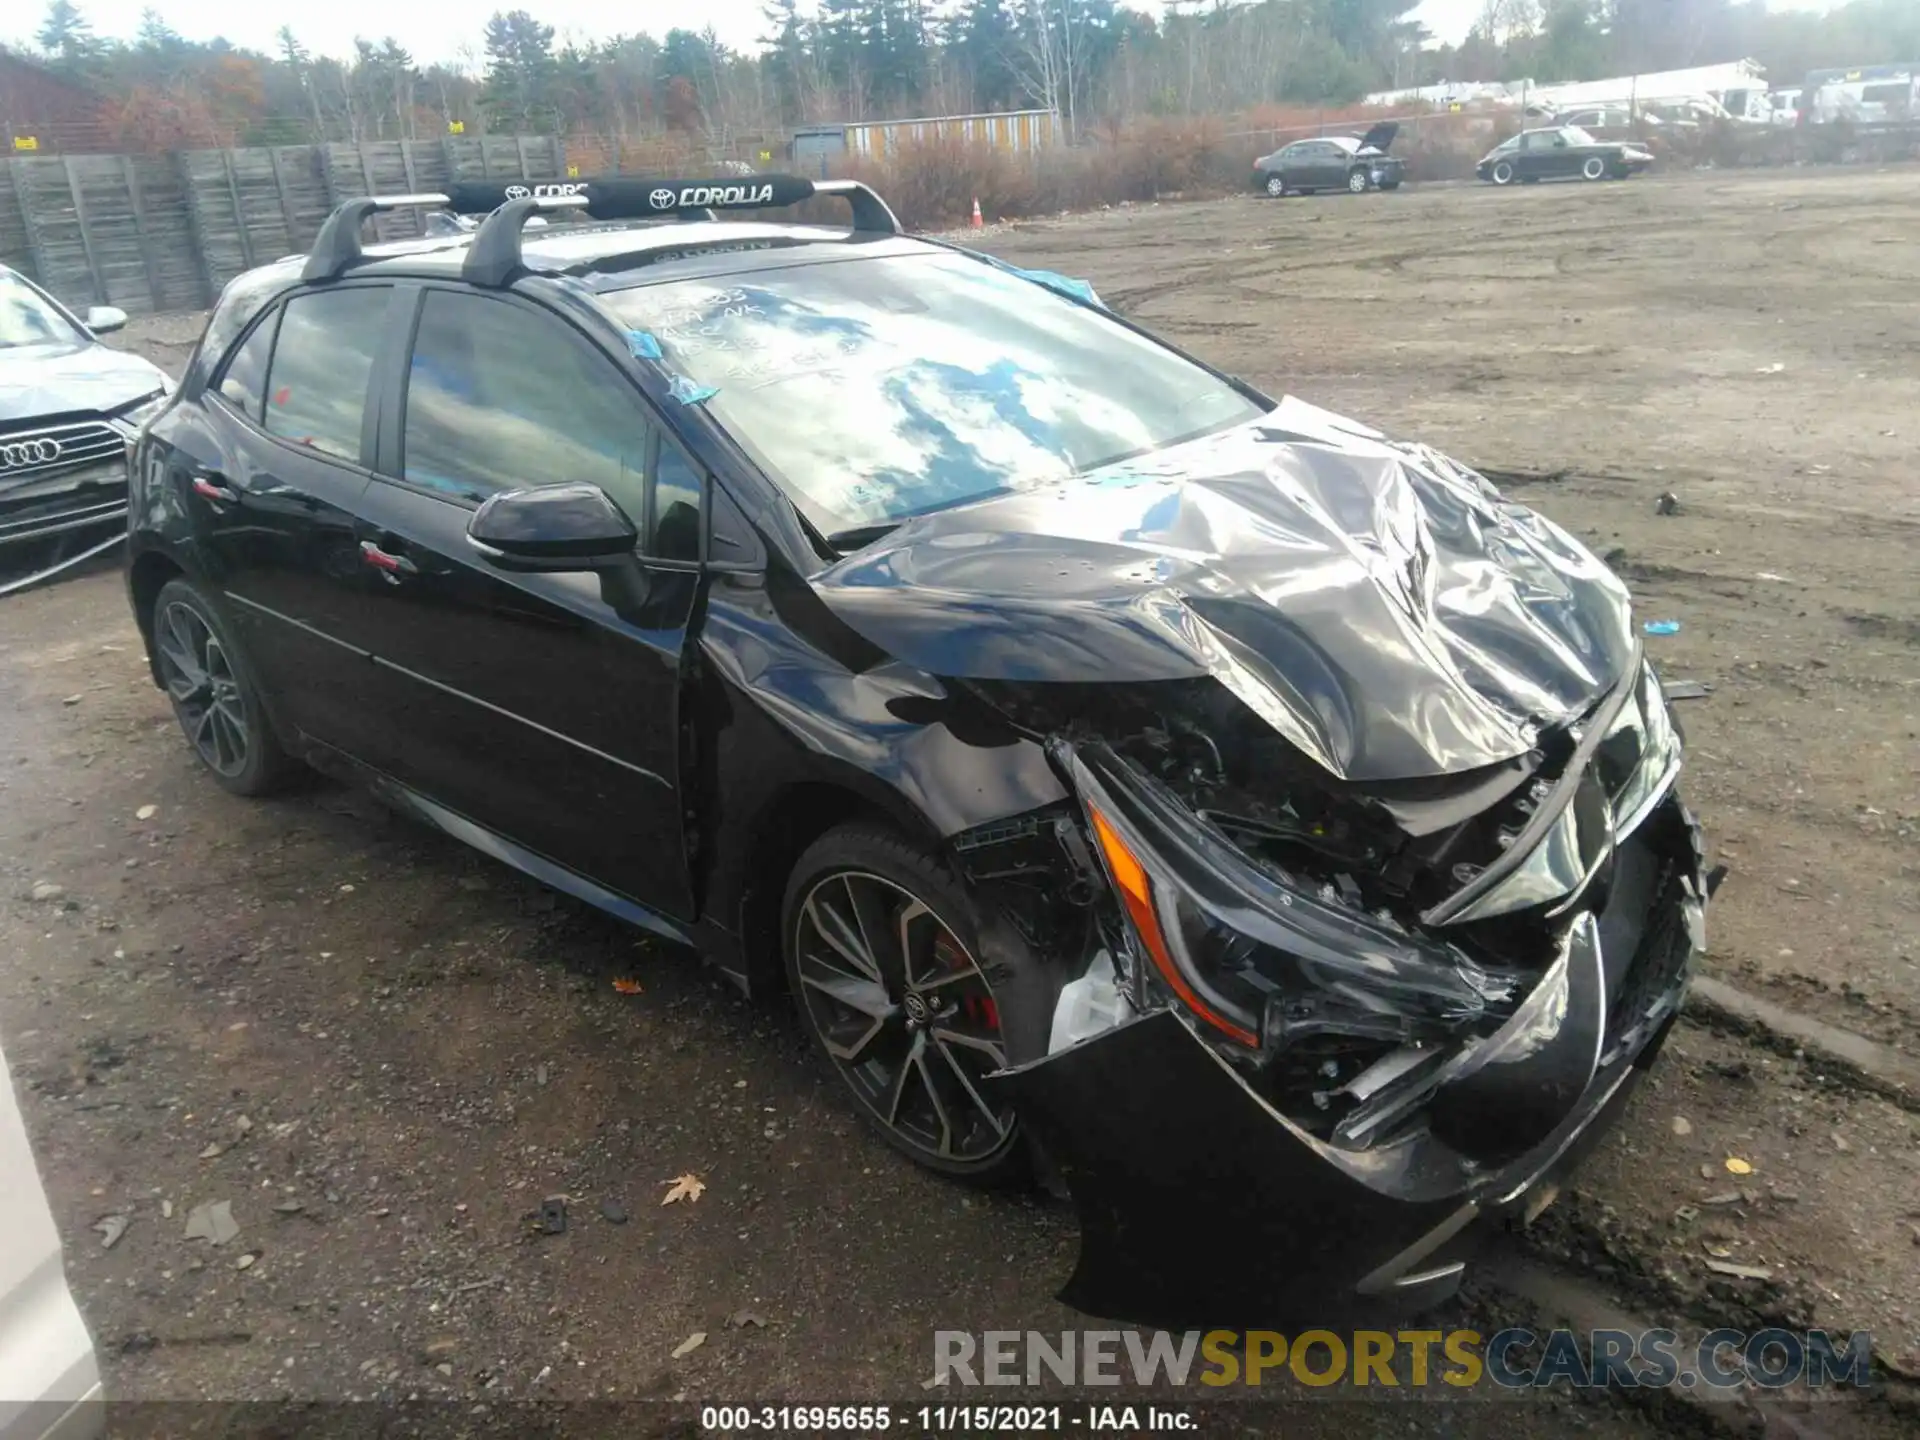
{"x": 154, "y": 233}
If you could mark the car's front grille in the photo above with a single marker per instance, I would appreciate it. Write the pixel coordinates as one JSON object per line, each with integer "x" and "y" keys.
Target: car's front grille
{"x": 48, "y": 450}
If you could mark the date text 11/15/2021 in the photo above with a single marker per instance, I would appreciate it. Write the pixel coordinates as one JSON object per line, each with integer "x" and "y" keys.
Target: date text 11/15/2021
{"x": 943, "y": 1419}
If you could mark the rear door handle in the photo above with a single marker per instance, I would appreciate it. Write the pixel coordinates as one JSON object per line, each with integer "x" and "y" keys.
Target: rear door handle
{"x": 388, "y": 563}
{"x": 209, "y": 485}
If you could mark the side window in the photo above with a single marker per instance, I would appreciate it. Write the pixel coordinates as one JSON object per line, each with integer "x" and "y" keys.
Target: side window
{"x": 502, "y": 398}
{"x": 317, "y": 383}
{"x": 676, "y": 507}
{"x": 243, "y": 383}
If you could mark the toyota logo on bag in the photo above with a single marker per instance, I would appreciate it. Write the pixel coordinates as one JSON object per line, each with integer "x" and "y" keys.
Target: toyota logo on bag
{"x": 25, "y": 454}
{"x": 661, "y": 199}
{"x": 518, "y": 192}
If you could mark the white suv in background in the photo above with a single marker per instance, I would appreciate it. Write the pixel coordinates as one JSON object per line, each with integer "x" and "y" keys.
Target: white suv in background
{"x": 49, "y": 1376}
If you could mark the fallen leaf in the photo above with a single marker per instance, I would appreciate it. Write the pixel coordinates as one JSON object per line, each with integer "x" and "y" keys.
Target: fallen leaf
{"x": 111, "y": 1228}
{"x": 213, "y": 1151}
{"x": 1737, "y": 1166}
{"x": 687, "y": 1187}
{"x": 146, "y": 812}
{"x": 1740, "y": 1272}
{"x": 741, "y": 1319}
{"x": 692, "y": 1343}
{"x": 1682, "y": 1125}
{"x": 626, "y": 986}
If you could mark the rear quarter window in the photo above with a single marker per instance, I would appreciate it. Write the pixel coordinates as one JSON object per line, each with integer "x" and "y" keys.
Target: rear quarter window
{"x": 322, "y": 359}
{"x": 243, "y": 379}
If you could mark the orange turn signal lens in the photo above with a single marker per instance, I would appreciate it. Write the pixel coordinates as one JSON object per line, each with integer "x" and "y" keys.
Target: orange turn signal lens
{"x": 1136, "y": 893}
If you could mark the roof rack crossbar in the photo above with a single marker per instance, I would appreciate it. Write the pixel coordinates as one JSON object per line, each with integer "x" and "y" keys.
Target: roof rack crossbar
{"x": 494, "y": 257}
{"x": 337, "y": 245}
{"x": 630, "y": 197}
{"x": 870, "y": 212}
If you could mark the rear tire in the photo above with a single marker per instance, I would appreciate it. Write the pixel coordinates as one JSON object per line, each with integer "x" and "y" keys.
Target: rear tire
{"x": 210, "y": 682}
{"x": 1594, "y": 169}
{"x": 883, "y": 955}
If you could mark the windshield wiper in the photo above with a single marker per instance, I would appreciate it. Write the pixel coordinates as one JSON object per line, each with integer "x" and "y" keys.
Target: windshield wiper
{"x": 858, "y": 537}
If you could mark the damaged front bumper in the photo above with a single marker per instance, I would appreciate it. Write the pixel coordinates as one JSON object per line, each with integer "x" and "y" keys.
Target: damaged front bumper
{"x": 1286, "y": 1098}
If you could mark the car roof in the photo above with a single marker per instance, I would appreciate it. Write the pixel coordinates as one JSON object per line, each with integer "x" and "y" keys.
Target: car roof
{"x": 616, "y": 255}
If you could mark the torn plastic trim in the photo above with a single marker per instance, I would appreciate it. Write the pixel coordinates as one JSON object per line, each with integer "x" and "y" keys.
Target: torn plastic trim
{"x": 1555, "y": 866}
{"x": 1328, "y": 969}
{"x": 1533, "y": 1068}
{"x": 1547, "y": 816}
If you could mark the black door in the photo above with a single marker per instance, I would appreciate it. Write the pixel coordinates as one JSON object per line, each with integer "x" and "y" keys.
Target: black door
{"x": 1327, "y": 166}
{"x": 1549, "y": 155}
{"x": 534, "y": 705}
{"x": 1293, "y": 164}
{"x": 271, "y": 482}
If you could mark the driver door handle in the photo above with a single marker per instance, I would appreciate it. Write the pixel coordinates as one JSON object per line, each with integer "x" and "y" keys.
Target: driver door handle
{"x": 390, "y": 564}
{"x": 210, "y": 485}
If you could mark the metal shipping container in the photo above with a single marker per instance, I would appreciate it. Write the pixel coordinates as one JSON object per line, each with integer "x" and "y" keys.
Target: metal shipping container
{"x": 1019, "y": 131}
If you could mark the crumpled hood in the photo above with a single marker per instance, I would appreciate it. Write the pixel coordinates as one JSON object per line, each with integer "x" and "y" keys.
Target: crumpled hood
{"x": 1379, "y": 605}
{"x": 38, "y": 380}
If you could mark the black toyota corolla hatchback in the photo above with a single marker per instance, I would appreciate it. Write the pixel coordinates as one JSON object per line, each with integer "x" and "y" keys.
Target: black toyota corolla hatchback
{"x": 1257, "y": 822}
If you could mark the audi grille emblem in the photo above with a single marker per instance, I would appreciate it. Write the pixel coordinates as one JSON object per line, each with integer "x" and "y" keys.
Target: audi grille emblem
{"x": 24, "y": 454}
{"x": 518, "y": 192}
{"x": 661, "y": 199}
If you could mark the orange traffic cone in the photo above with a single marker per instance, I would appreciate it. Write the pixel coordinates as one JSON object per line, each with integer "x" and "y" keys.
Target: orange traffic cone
{"x": 977, "y": 222}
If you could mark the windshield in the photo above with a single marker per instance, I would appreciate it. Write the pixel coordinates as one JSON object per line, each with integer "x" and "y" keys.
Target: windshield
{"x": 872, "y": 390}
{"x": 26, "y": 317}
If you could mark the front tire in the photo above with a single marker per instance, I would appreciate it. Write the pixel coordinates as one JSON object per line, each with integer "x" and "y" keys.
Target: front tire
{"x": 1357, "y": 183}
{"x": 1276, "y": 187}
{"x": 882, "y": 955}
{"x": 210, "y": 683}
{"x": 1503, "y": 173}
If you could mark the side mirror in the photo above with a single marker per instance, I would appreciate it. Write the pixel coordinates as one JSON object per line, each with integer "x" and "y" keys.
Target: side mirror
{"x": 553, "y": 530}
{"x": 104, "y": 319}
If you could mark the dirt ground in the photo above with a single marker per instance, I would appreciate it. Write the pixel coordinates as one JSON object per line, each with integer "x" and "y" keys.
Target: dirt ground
{"x": 384, "y": 1051}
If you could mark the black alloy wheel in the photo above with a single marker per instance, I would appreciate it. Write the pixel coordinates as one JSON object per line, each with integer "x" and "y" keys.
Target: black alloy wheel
{"x": 895, "y": 998}
{"x": 207, "y": 680}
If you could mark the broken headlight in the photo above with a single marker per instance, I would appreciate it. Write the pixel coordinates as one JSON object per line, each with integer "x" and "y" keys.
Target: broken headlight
{"x": 1263, "y": 958}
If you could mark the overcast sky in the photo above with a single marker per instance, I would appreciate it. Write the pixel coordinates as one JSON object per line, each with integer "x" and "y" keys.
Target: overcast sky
{"x": 435, "y": 32}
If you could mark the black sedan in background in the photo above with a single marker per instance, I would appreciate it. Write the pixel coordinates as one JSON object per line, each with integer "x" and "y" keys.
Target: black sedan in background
{"x": 1561, "y": 152}
{"x": 1332, "y": 162}
{"x": 1264, "y": 818}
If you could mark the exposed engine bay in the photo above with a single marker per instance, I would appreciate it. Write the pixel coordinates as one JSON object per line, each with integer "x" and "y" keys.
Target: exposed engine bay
{"x": 1353, "y": 947}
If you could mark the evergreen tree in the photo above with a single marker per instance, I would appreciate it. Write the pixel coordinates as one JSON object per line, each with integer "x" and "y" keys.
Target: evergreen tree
{"x": 68, "y": 37}
{"x": 518, "y": 90}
